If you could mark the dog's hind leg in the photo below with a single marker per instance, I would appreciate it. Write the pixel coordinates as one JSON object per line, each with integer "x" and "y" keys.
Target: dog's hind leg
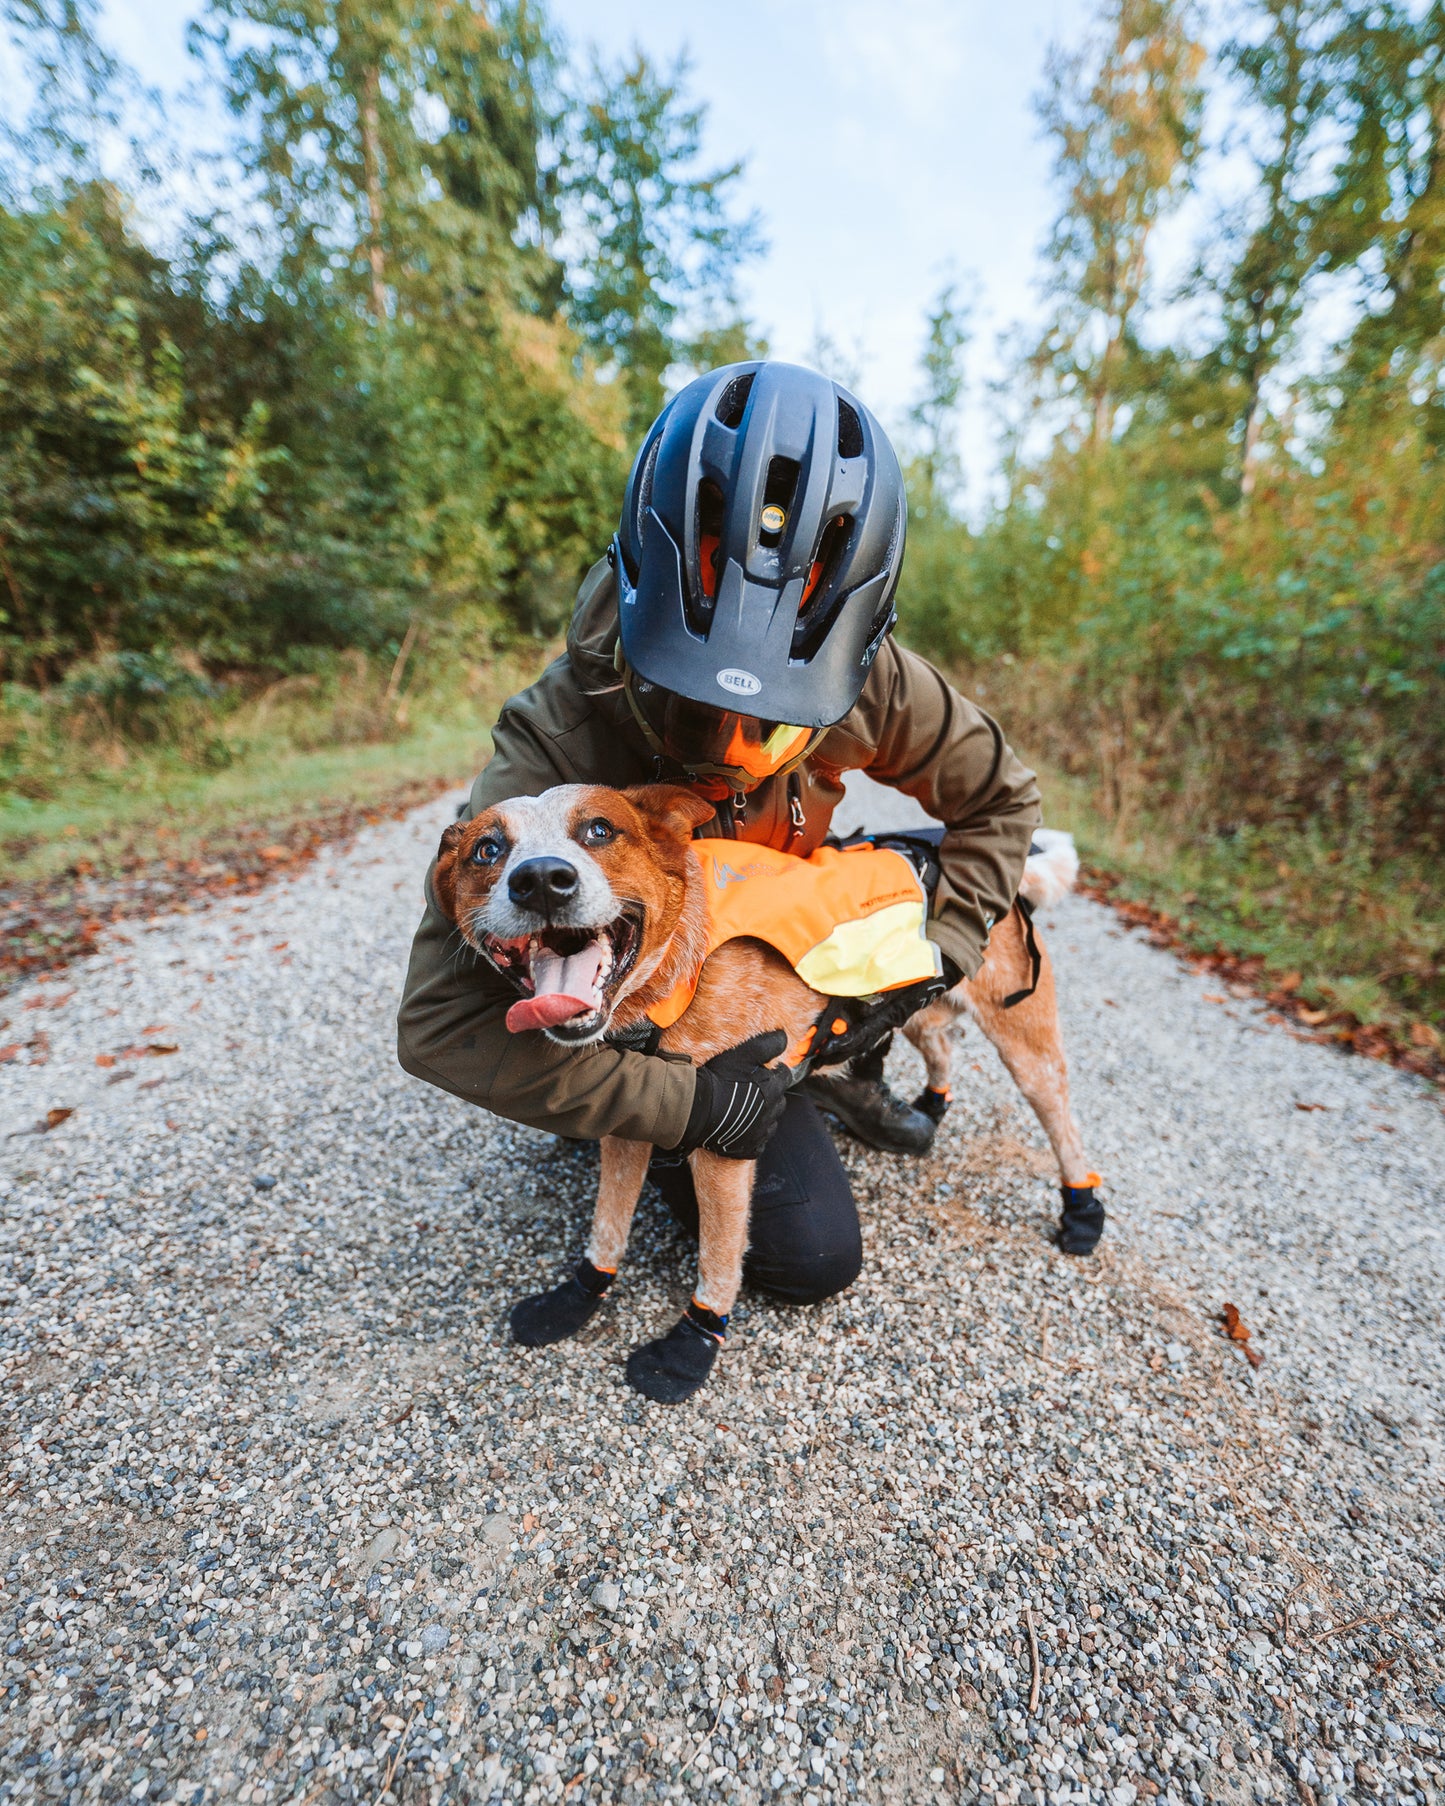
{"x": 930, "y": 1031}
{"x": 1031, "y": 1046}
{"x": 674, "y": 1366}
{"x": 555, "y": 1315}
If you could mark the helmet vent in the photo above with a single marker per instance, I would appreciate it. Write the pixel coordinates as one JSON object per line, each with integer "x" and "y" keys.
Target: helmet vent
{"x": 778, "y": 492}
{"x": 850, "y": 430}
{"x": 732, "y": 403}
{"x": 644, "y": 488}
{"x": 820, "y": 605}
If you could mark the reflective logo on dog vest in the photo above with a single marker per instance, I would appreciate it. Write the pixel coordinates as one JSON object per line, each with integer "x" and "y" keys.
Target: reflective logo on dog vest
{"x": 851, "y": 921}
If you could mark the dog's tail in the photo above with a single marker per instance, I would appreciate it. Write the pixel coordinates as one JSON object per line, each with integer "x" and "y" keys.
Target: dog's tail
{"x": 1052, "y": 869}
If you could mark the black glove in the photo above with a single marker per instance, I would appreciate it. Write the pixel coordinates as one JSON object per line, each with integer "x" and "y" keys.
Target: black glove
{"x": 850, "y": 1027}
{"x": 739, "y": 1099}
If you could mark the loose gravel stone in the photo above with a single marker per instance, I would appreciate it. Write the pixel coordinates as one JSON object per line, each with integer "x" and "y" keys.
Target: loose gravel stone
{"x": 287, "y": 1518}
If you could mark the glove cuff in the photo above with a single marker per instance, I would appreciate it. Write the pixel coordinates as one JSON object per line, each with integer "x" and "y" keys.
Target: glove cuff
{"x": 702, "y": 1114}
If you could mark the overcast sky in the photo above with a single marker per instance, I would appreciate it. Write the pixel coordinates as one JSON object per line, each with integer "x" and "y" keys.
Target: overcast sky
{"x": 886, "y": 146}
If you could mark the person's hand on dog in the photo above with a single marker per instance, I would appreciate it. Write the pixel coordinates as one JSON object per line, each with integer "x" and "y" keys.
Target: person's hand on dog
{"x": 739, "y": 1099}
{"x": 880, "y": 1018}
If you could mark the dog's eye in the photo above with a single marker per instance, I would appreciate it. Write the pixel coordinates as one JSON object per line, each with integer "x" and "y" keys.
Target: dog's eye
{"x": 598, "y": 831}
{"x": 488, "y": 850}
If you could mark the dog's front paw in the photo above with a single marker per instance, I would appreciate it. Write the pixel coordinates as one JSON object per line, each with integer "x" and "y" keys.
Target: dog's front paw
{"x": 675, "y": 1366}
{"x": 1081, "y": 1222}
{"x": 553, "y": 1316}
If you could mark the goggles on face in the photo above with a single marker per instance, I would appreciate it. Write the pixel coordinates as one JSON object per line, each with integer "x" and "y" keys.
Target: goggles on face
{"x": 739, "y": 750}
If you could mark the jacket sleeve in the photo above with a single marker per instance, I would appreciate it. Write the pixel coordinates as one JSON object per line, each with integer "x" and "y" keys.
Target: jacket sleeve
{"x": 946, "y": 753}
{"x": 451, "y": 1028}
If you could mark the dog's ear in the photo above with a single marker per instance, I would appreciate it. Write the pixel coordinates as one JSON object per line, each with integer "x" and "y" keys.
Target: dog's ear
{"x": 444, "y": 880}
{"x": 670, "y": 809}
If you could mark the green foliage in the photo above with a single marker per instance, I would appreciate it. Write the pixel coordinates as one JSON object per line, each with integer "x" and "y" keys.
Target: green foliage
{"x": 936, "y": 473}
{"x": 659, "y": 234}
{"x": 123, "y": 514}
{"x": 1212, "y": 597}
{"x": 1124, "y": 117}
{"x": 352, "y": 400}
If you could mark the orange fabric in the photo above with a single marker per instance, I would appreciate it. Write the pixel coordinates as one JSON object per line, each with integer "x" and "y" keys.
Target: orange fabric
{"x": 761, "y": 761}
{"x": 707, "y": 546}
{"x": 790, "y": 903}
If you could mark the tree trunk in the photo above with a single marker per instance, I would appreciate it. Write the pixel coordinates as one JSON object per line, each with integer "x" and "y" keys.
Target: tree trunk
{"x": 371, "y": 159}
{"x": 1253, "y": 427}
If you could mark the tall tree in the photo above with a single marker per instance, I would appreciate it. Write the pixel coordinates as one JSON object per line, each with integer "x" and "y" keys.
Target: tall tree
{"x": 74, "y": 81}
{"x": 658, "y": 246}
{"x": 1384, "y": 214}
{"x": 396, "y": 143}
{"x": 1124, "y": 116}
{"x": 1280, "y": 68}
{"x": 934, "y": 414}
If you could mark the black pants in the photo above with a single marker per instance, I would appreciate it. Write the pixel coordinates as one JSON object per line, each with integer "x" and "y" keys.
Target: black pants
{"x": 804, "y": 1243}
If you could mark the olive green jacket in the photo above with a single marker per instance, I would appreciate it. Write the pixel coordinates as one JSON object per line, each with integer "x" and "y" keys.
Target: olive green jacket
{"x": 909, "y": 729}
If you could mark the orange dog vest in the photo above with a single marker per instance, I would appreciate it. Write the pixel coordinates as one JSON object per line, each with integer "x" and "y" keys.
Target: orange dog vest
{"x": 851, "y": 921}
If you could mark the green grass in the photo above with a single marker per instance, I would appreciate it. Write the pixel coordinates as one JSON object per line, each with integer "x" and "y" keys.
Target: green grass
{"x": 261, "y": 768}
{"x": 1369, "y": 940}
{"x": 162, "y": 805}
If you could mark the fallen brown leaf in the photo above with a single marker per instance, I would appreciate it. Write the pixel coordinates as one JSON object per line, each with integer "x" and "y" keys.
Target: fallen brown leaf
{"x": 1313, "y": 1017}
{"x": 1238, "y": 1331}
{"x": 275, "y": 853}
{"x": 1290, "y": 982}
{"x": 1422, "y": 1034}
{"x": 156, "y": 1028}
{"x": 105, "y": 1059}
{"x": 54, "y": 1118}
{"x": 12, "y": 1052}
{"x": 1311, "y": 1106}
{"x": 1213, "y": 997}
{"x": 164, "y": 1047}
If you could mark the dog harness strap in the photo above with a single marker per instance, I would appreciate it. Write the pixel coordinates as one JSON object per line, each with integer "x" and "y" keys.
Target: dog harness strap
{"x": 642, "y": 1036}
{"x": 709, "y": 1322}
{"x": 593, "y": 1280}
{"x": 1036, "y": 959}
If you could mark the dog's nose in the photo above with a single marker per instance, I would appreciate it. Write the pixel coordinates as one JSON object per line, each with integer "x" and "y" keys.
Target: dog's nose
{"x": 542, "y": 884}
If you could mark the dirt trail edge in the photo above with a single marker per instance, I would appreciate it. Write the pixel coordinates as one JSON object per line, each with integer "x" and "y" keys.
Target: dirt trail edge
{"x": 285, "y": 1518}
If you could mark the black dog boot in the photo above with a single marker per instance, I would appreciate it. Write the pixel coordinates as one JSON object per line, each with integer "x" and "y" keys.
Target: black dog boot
{"x": 1082, "y": 1220}
{"x": 675, "y": 1366}
{"x": 866, "y": 1107}
{"x": 555, "y": 1315}
{"x": 933, "y": 1104}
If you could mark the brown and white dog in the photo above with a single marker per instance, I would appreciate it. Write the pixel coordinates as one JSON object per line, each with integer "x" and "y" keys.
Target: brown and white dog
{"x": 591, "y": 901}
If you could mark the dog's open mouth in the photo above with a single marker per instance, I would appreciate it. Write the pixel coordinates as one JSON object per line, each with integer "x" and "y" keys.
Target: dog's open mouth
{"x": 566, "y": 974}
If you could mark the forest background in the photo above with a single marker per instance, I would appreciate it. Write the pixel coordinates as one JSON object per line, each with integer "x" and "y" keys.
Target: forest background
{"x": 291, "y": 500}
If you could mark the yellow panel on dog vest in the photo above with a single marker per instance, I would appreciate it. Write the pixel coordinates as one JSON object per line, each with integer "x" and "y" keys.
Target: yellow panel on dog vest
{"x": 851, "y": 921}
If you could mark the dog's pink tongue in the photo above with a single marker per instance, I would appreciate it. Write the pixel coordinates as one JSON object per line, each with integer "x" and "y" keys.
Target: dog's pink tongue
{"x": 565, "y": 985}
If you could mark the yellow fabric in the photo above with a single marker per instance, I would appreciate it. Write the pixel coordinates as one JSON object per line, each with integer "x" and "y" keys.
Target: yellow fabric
{"x": 850, "y": 920}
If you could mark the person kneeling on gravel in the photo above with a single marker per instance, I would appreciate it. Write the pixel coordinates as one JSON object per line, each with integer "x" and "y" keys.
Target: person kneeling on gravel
{"x": 737, "y": 638}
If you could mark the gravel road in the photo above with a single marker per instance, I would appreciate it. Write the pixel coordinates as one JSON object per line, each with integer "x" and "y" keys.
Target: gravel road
{"x": 285, "y": 1518}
